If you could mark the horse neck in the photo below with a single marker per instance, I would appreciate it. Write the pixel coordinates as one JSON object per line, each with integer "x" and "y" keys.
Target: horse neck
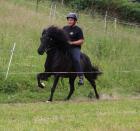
{"x": 58, "y": 53}
{"x": 62, "y": 47}
{"x": 59, "y": 48}
{"x": 53, "y": 53}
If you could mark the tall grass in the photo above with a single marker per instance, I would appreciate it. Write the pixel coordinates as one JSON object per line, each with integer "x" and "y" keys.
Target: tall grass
{"x": 115, "y": 52}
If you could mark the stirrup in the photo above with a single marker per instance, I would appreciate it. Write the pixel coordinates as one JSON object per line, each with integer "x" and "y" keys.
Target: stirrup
{"x": 81, "y": 81}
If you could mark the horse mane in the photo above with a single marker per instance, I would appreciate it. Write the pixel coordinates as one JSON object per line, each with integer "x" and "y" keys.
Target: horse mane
{"x": 59, "y": 35}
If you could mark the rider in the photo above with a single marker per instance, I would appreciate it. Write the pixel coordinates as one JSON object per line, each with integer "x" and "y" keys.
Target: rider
{"x": 76, "y": 40}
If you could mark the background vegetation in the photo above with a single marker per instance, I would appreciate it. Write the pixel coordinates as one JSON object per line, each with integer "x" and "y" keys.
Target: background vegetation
{"x": 123, "y": 9}
{"x": 116, "y": 52}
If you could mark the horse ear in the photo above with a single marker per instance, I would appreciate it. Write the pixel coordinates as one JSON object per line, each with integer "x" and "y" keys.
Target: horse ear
{"x": 43, "y": 32}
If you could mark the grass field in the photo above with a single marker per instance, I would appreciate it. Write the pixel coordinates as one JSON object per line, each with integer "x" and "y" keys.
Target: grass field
{"x": 116, "y": 115}
{"x": 115, "y": 52}
{"x": 22, "y": 104}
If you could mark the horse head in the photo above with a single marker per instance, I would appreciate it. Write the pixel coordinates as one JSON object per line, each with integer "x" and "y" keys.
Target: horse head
{"x": 46, "y": 42}
{"x": 51, "y": 38}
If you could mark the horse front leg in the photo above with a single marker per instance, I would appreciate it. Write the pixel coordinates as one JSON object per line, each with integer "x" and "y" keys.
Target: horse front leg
{"x": 53, "y": 87}
{"x": 42, "y": 76}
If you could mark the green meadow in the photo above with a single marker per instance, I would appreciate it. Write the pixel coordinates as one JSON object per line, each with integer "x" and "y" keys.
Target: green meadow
{"x": 113, "y": 115}
{"x": 115, "y": 51}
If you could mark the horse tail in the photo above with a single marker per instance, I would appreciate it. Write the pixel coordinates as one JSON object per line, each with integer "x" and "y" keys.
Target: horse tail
{"x": 96, "y": 72}
{"x": 91, "y": 71}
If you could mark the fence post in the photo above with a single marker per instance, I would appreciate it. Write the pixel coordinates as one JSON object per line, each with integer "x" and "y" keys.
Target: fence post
{"x": 37, "y": 2}
{"x": 50, "y": 15}
{"x": 115, "y": 24}
{"x": 62, "y": 2}
{"x": 10, "y": 61}
{"x": 54, "y": 12}
{"x": 105, "y": 20}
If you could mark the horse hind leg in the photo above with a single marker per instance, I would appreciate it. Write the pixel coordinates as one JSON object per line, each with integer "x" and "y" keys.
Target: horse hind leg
{"x": 92, "y": 82}
{"x": 71, "y": 82}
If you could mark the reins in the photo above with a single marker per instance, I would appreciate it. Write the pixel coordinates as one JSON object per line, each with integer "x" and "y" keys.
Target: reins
{"x": 49, "y": 49}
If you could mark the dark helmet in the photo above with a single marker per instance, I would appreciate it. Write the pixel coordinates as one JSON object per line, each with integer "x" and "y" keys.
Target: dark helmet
{"x": 72, "y": 15}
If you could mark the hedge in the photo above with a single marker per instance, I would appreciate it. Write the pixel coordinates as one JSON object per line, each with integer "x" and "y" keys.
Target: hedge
{"x": 125, "y": 9}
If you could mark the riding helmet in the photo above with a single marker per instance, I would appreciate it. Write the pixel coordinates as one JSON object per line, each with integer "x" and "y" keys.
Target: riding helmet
{"x": 72, "y": 15}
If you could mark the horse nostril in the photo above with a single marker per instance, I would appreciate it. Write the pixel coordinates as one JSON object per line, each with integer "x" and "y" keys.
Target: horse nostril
{"x": 40, "y": 52}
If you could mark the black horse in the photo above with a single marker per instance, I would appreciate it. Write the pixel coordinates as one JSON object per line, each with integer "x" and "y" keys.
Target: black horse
{"x": 54, "y": 42}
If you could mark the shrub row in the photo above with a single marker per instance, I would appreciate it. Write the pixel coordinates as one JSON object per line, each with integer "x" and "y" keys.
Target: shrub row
{"x": 125, "y": 9}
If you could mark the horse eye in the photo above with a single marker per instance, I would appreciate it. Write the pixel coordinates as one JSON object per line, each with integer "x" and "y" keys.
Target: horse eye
{"x": 49, "y": 38}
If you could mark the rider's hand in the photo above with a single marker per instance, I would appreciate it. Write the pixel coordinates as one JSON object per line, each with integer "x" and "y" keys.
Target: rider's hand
{"x": 70, "y": 43}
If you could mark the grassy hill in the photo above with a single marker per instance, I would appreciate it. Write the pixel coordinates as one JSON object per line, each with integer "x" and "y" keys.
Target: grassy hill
{"x": 116, "y": 52}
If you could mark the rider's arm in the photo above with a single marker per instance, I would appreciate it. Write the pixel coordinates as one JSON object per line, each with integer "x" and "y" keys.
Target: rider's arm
{"x": 78, "y": 42}
{"x": 80, "y": 38}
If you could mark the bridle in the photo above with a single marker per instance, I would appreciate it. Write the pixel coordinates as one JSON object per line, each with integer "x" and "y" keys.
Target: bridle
{"x": 49, "y": 49}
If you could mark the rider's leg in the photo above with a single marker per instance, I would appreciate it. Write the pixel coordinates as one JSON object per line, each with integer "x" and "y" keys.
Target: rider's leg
{"x": 75, "y": 53}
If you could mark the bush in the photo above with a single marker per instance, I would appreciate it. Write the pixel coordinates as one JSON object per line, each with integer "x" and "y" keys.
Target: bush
{"x": 80, "y": 4}
{"x": 130, "y": 11}
{"x": 125, "y": 9}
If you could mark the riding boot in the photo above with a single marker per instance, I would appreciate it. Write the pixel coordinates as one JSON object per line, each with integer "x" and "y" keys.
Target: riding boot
{"x": 81, "y": 80}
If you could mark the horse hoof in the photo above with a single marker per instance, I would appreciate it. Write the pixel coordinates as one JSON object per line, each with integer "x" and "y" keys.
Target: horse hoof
{"x": 41, "y": 85}
{"x": 48, "y": 101}
{"x": 98, "y": 97}
{"x": 66, "y": 99}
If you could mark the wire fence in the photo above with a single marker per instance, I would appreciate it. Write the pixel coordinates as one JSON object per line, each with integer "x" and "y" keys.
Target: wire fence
{"x": 6, "y": 73}
{"x": 53, "y": 11}
{"x": 65, "y": 73}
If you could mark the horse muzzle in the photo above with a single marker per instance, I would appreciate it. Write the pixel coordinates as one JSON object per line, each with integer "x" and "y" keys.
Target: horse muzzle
{"x": 40, "y": 52}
